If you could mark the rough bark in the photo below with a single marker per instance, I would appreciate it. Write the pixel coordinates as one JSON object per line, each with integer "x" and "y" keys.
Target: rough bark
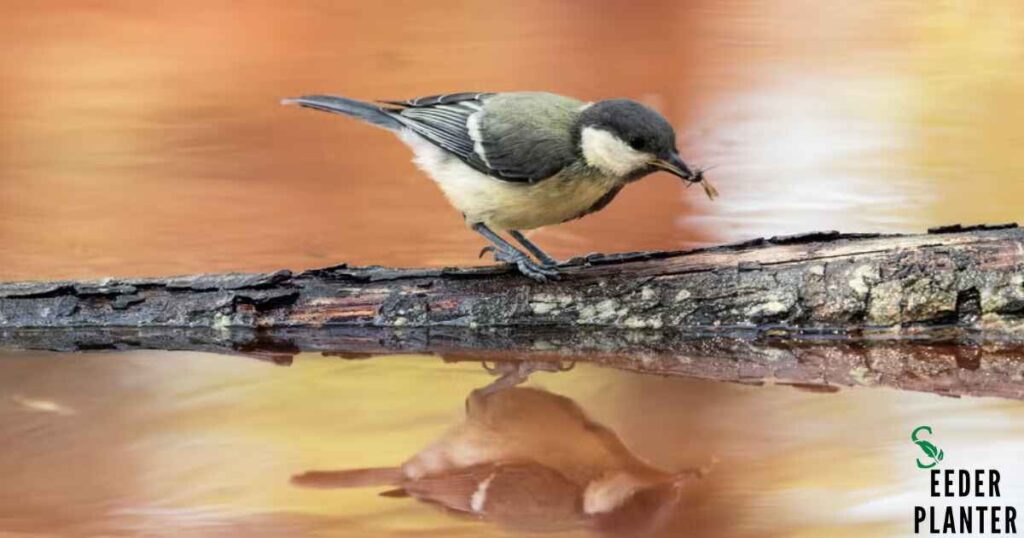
{"x": 823, "y": 282}
{"x": 941, "y": 312}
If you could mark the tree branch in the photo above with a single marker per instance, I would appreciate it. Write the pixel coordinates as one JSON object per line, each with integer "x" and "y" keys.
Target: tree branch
{"x": 817, "y": 310}
{"x": 819, "y": 282}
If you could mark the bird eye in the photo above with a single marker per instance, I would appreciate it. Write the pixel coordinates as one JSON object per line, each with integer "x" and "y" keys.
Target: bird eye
{"x": 636, "y": 143}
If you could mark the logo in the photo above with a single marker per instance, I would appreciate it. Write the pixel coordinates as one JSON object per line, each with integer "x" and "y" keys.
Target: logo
{"x": 953, "y": 491}
{"x": 933, "y": 453}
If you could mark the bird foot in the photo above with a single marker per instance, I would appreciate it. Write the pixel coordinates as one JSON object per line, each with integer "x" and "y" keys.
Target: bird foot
{"x": 544, "y": 259}
{"x": 511, "y": 374}
{"x": 541, "y": 272}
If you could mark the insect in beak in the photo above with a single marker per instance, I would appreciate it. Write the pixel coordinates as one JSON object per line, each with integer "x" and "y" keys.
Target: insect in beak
{"x": 675, "y": 166}
{"x": 709, "y": 189}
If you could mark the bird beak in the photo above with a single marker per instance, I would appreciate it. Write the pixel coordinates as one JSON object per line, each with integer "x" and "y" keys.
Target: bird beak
{"x": 674, "y": 165}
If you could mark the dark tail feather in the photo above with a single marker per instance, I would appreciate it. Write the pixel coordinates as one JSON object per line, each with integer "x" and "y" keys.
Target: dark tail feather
{"x": 367, "y": 112}
{"x": 349, "y": 478}
{"x": 397, "y": 493}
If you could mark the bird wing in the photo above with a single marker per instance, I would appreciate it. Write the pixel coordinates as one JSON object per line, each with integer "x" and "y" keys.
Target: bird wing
{"x": 453, "y": 488}
{"x": 521, "y": 137}
{"x": 493, "y": 488}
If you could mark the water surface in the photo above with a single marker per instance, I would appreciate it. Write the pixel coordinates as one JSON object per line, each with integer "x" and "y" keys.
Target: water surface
{"x": 170, "y": 443}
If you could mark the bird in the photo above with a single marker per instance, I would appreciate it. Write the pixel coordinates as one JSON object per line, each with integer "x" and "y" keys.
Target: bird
{"x": 517, "y": 161}
{"x": 527, "y": 458}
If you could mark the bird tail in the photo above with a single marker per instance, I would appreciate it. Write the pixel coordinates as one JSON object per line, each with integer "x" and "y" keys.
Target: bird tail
{"x": 349, "y": 478}
{"x": 367, "y": 112}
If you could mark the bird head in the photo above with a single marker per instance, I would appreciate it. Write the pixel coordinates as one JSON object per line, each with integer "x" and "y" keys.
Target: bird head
{"x": 626, "y": 139}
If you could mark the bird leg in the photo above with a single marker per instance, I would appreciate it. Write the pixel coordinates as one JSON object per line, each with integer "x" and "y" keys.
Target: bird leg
{"x": 505, "y": 252}
{"x": 544, "y": 257}
{"x": 515, "y": 373}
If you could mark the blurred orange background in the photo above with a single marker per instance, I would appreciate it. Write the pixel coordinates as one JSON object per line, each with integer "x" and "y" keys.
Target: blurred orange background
{"x": 147, "y": 138}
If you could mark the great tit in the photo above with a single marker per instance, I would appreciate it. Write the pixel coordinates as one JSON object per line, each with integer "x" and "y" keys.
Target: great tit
{"x": 529, "y": 459}
{"x": 521, "y": 160}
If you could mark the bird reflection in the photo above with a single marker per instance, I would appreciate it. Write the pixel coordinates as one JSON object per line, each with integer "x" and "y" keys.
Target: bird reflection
{"x": 532, "y": 460}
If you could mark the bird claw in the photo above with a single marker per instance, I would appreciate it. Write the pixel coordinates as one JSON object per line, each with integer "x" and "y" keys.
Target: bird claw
{"x": 542, "y": 272}
{"x": 527, "y": 267}
{"x": 539, "y": 273}
{"x": 511, "y": 374}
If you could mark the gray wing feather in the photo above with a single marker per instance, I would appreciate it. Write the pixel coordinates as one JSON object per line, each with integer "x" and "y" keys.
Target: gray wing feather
{"x": 442, "y": 99}
{"x": 444, "y": 121}
{"x": 529, "y": 136}
{"x": 526, "y": 139}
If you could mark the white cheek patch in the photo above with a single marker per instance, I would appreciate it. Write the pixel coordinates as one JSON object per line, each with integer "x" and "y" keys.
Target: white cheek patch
{"x": 609, "y": 153}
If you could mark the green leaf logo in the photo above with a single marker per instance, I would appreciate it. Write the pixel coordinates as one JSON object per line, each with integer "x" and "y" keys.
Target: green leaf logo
{"x": 934, "y": 454}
